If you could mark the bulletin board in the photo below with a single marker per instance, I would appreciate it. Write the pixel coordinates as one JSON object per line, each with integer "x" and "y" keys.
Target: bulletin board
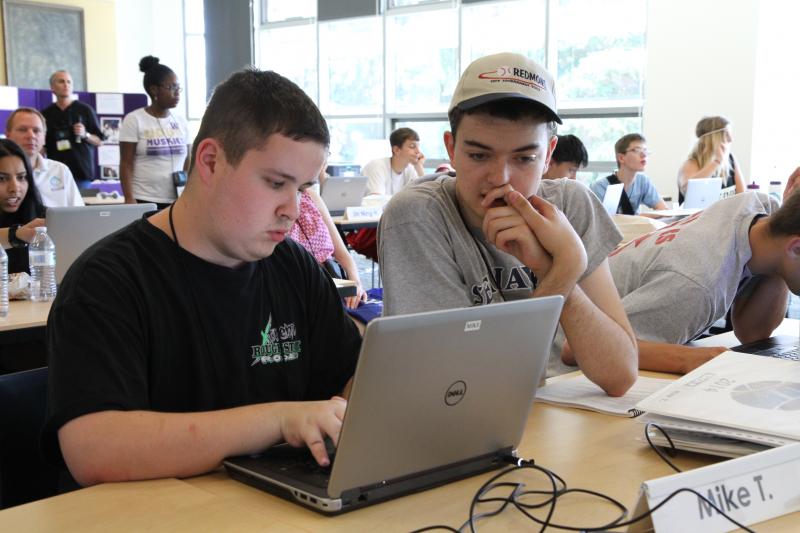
{"x": 41, "y": 39}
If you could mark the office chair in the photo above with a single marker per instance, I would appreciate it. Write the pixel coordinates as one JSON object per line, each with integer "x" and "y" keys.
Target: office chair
{"x": 24, "y": 476}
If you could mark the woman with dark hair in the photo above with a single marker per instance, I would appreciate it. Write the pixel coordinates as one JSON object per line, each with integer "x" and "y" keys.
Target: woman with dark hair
{"x": 153, "y": 143}
{"x": 21, "y": 207}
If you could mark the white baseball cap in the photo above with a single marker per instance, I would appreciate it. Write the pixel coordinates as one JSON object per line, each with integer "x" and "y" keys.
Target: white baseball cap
{"x": 506, "y": 75}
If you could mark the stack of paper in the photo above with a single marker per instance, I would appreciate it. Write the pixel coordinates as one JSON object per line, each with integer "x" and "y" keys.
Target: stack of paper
{"x": 733, "y": 405}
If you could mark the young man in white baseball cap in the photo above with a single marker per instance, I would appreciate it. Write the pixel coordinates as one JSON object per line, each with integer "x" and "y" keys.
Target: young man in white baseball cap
{"x": 497, "y": 232}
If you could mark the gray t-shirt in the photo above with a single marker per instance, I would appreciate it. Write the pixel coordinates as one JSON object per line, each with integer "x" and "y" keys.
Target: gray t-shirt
{"x": 431, "y": 260}
{"x": 677, "y": 281}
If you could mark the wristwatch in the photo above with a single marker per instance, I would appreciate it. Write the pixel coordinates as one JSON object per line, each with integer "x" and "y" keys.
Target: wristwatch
{"x": 13, "y": 240}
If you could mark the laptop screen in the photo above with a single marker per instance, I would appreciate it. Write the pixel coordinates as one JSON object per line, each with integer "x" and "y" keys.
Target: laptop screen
{"x": 74, "y": 229}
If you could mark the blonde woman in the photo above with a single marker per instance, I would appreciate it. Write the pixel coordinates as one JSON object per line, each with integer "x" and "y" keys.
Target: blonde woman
{"x": 711, "y": 156}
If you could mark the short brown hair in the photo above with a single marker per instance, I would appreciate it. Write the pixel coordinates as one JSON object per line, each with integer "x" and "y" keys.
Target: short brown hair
{"x": 786, "y": 220}
{"x": 401, "y": 135}
{"x": 30, "y": 110}
{"x": 513, "y": 109}
{"x": 250, "y": 106}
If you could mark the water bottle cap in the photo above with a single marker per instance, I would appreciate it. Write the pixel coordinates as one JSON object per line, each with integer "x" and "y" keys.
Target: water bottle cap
{"x": 775, "y": 182}
{"x": 41, "y": 229}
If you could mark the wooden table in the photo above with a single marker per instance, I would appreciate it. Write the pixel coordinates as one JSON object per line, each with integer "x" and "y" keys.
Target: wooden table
{"x": 589, "y": 450}
{"x": 25, "y": 314}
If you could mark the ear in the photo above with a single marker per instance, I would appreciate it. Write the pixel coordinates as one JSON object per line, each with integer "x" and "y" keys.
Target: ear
{"x": 793, "y": 248}
{"x": 208, "y": 156}
{"x": 551, "y": 146}
{"x": 450, "y": 146}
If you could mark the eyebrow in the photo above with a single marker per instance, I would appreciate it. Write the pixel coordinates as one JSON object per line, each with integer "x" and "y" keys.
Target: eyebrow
{"x": 526, "y": 148}
{"x": 279, "y": 174}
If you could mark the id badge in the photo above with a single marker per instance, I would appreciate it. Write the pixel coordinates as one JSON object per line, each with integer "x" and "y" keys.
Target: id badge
{"x": 63, "y": 144}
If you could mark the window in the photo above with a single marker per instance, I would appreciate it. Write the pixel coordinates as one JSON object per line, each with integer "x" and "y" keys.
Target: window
{"x": 601, "y": 50}
{"x": 599, "y": 136}
{"x": 421, "y": 61}
{"x": 351, "y": 66}
{"x": 283, "y": 10}
{"x": 195, "y": 63}
{"x": 371, "y": 74}
{"x": 514, "y": 27}
{"x": 348, "y": 138}
{"x": 292, "y": 52}
{"x": 431, "y": 134}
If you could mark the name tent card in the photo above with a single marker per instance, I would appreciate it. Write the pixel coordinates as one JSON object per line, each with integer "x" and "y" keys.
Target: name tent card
{"x": 749, "y": 489}
{"x": 363, "y": 212}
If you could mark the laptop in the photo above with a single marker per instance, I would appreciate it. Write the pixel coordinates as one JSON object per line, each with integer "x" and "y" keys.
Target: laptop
{"x": 340, "y": 192}
{"x": 612, "y": 197}
{"x": 74, "y": 229}
{"x": 702, "y": 192}
{"x": 780, "y": 346}
{"x": 436, "y": 397}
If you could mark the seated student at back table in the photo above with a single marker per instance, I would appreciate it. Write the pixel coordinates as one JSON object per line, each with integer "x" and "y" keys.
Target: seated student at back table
{"x": 711, "y": 156}
{"x": 631, "y": 154}
{"x": 26, "y": 127}
{"x": 497, "y": 232}
{"x": 741, "y": 253}
{"x": 388, "y": 175}
{"x": 202, "y": 332}
{"x": 568, "y": 157}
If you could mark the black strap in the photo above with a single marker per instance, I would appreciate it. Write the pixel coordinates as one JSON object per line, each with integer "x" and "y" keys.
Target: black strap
{"x": 624, "y": 201}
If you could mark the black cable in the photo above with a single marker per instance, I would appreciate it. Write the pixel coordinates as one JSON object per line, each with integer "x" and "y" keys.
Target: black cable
{"x": 672, "y": 450}
{"x": 559, "y": 489}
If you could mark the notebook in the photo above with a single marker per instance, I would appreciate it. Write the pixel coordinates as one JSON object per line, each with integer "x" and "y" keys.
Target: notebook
{"x": 341, "y": 192}
{"x": 612, "y": 197}
{"x": 702, "y": 192}
{"x": 436, "y": 397}
{"x": 74, "y": 229}
{"x": 733, "y": 397}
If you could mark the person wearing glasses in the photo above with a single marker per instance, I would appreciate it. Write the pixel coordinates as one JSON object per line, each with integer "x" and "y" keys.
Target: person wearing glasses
{"x": 72, "y": 127}
{"x": 153, "y": 142}
{"x": 631, "y": 152}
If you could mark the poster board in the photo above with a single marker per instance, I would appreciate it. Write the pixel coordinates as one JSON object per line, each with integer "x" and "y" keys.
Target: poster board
{"x": 41, "y": 39}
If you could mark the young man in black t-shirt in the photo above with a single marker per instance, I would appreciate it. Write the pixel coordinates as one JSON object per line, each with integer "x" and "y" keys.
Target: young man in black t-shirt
{"x": 201, "y": 332}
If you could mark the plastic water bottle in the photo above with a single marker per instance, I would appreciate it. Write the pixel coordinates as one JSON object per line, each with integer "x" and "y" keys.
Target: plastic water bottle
{"x": 776, "y": 190}
{"x": 3, "y": 283}
{"x": 42, "y": 260}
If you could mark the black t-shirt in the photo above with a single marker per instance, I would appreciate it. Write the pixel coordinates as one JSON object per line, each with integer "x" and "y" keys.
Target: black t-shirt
{"x": 60, "y": 140}
{"x": 140, "y": 324}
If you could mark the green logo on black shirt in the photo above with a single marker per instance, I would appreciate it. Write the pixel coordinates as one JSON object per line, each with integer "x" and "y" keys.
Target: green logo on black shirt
{"x": 277, "y": 345}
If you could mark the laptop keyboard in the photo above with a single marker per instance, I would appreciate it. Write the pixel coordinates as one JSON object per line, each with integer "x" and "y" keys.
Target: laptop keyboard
{"x": 782, "y": 352}
{"x": 304, "y": 467}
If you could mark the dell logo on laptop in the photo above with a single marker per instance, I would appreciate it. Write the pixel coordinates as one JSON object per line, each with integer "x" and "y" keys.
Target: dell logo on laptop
{"x": 455, "y": 393}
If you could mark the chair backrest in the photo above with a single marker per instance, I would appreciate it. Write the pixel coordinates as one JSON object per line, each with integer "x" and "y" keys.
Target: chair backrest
{"x": 24, "y": 475}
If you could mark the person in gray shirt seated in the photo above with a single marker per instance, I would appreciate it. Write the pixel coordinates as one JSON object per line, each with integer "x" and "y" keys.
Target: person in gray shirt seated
{"x": 741, "y": 253}
{"x": 497, "y": 232}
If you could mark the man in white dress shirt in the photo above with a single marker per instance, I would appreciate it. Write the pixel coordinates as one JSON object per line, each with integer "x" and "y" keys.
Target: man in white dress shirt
{"x": 26, "y": 127}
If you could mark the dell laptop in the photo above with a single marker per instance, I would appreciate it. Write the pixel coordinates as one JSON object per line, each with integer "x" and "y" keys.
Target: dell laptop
{"x": 702, "y": 192}
{"x": 74, "y": 229}
{"x": 339, "y": 193}
{"x": 436, "y": 397}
